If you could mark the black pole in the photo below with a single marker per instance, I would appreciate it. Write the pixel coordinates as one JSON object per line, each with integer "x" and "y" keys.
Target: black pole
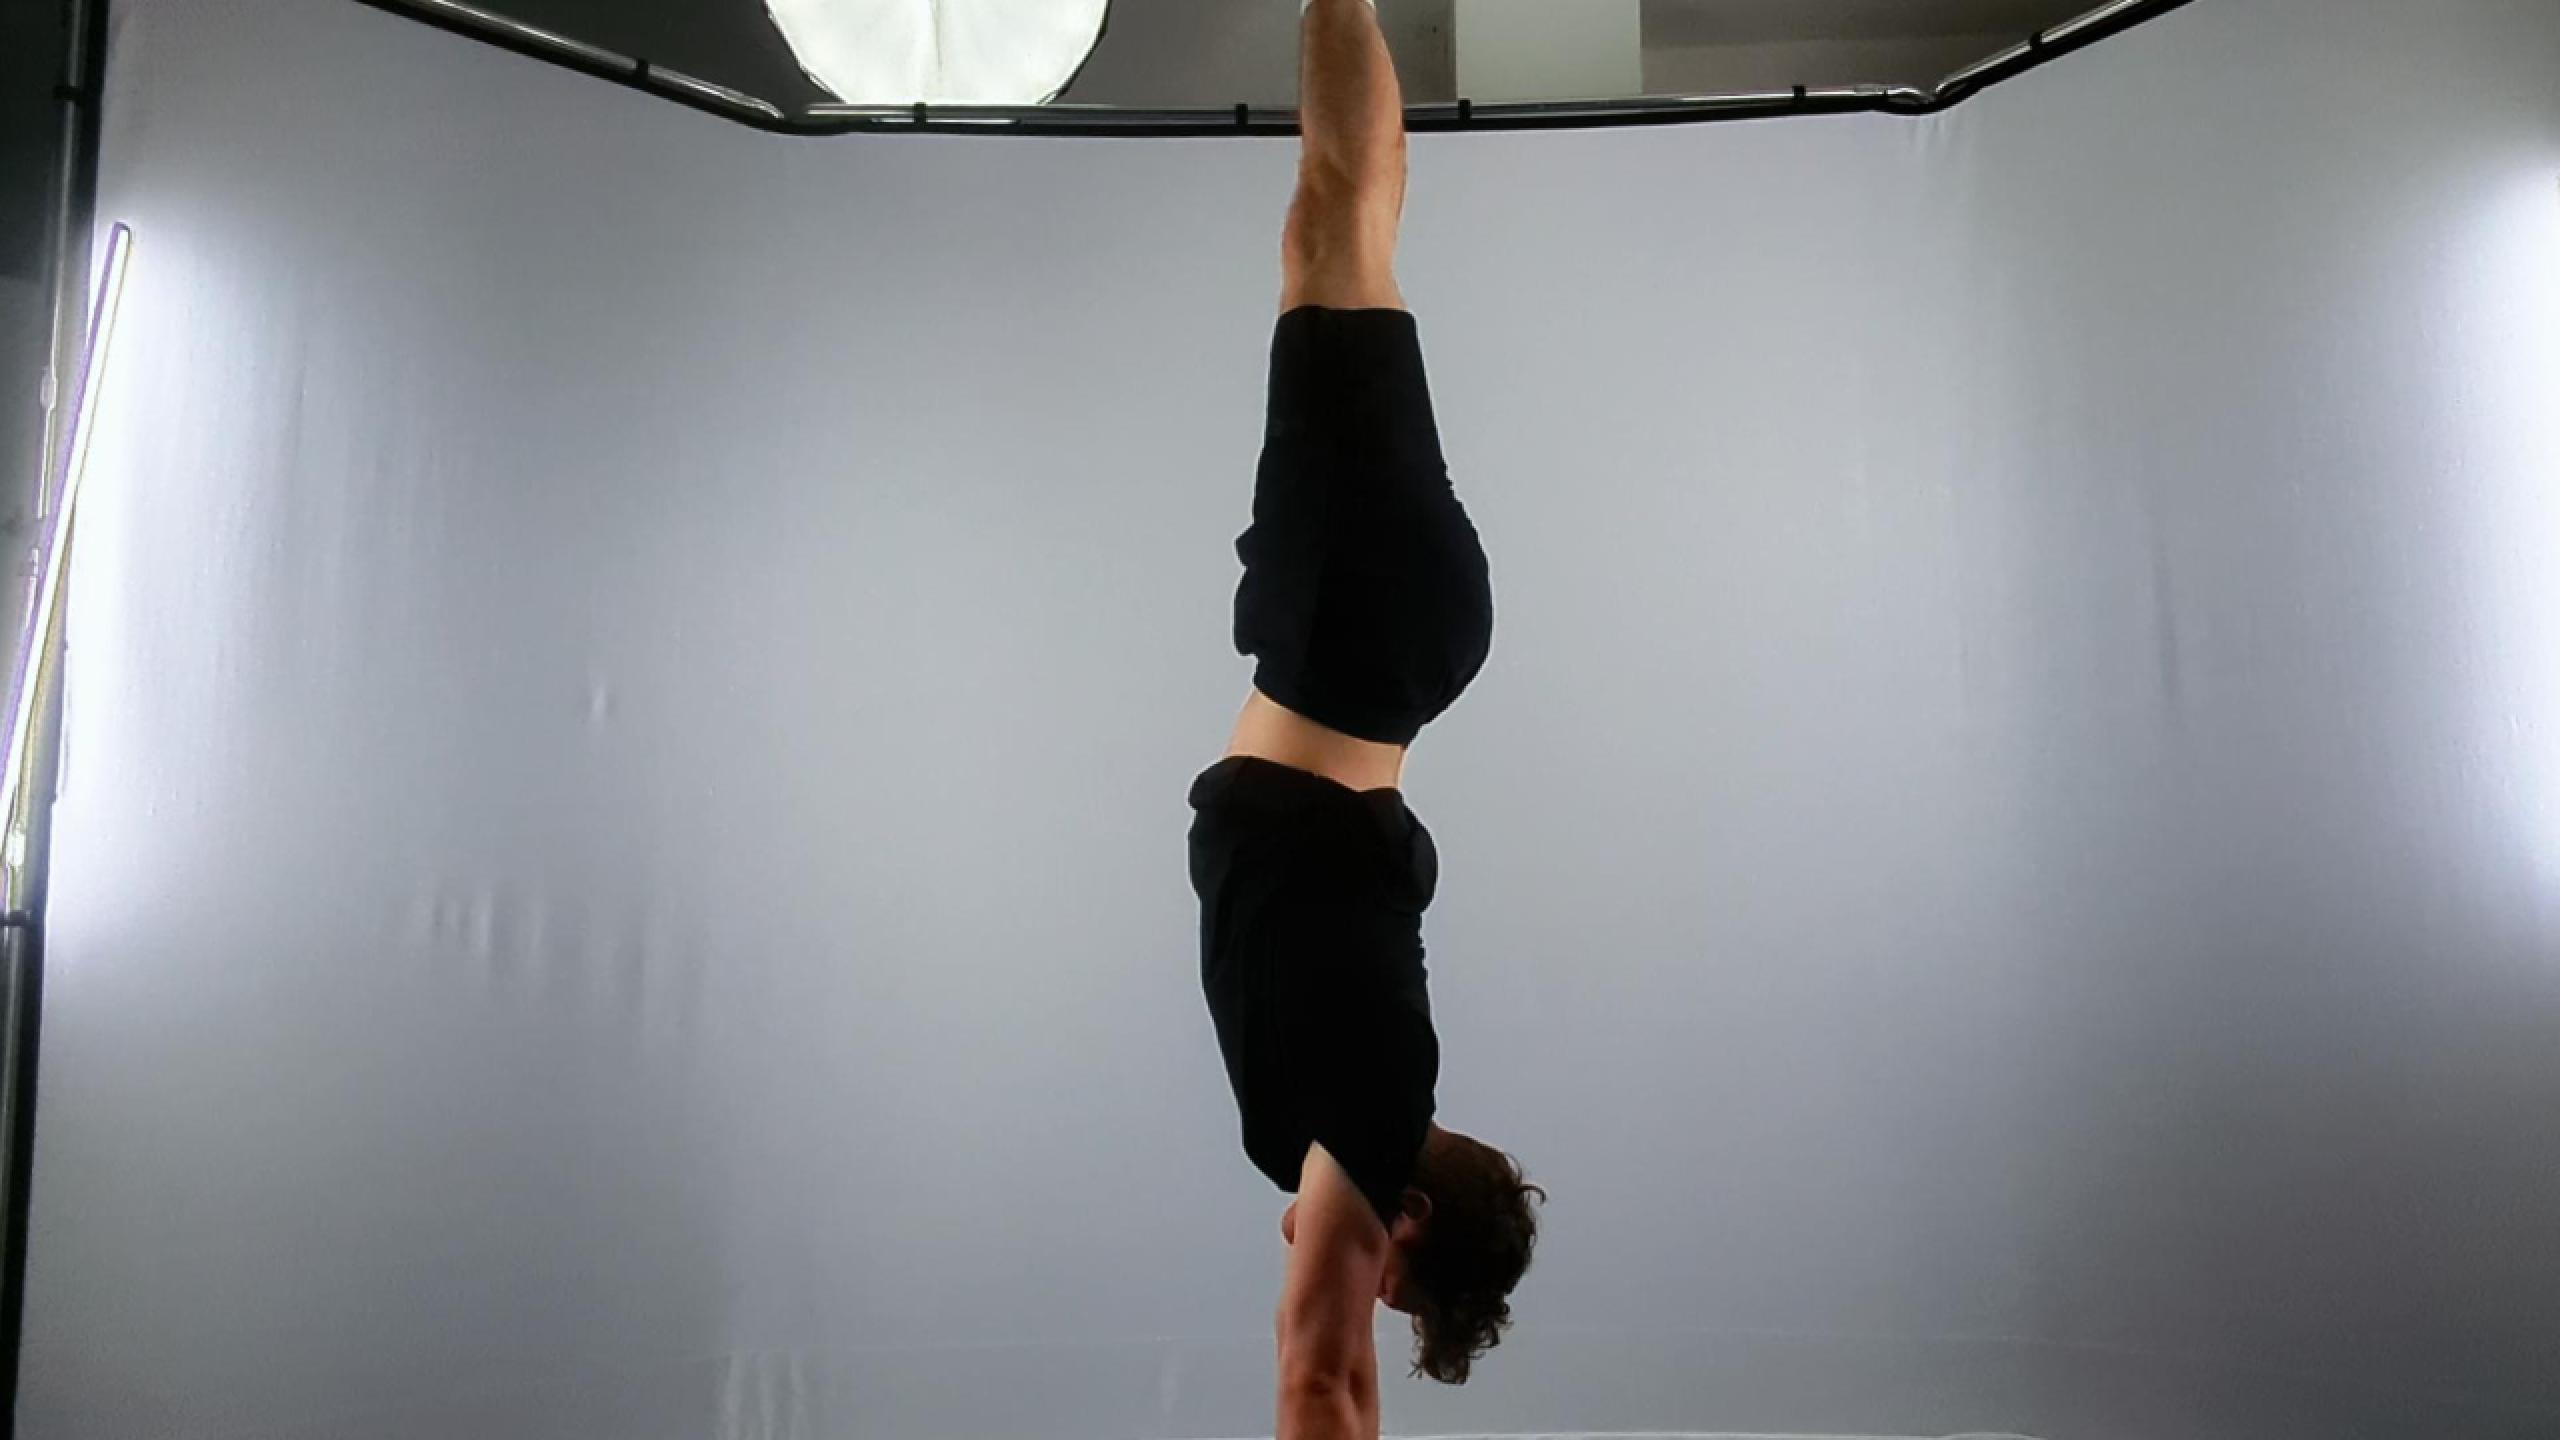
{"x": 80, "y": 83}
{"x": 74, "y": 203}
{"x": 24, "y": 944}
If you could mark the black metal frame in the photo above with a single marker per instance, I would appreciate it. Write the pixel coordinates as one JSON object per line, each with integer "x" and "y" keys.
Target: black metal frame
{"x": 82, "y": 80}
{"x": 2041, "y": 48}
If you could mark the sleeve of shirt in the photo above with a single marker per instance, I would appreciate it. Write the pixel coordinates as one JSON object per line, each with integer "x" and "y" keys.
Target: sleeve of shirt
{"x": 1365, "y": 1058}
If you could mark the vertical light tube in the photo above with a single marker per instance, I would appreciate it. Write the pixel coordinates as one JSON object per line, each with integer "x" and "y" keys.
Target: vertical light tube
{"x": 37, "y": 637}
{"x": 2499, "y": 393}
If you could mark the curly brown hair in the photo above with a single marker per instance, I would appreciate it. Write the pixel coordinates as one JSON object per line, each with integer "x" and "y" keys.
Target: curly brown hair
{"x": 1473, "y": 1251}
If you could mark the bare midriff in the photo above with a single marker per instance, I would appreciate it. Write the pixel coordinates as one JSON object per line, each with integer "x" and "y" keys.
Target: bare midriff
{"x": 1270, "y": 731}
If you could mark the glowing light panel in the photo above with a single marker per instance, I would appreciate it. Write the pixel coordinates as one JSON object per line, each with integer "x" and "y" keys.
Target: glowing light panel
{"x": 107, "y": 297}
{"x": 941, "y": 52}
{"x": 2502, "y": 389}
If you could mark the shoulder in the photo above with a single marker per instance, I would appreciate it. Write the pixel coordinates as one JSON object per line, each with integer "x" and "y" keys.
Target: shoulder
{"x": 1334, "y": 1214}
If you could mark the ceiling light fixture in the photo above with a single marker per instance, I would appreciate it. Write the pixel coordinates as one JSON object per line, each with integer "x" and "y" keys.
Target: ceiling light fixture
{"x": 941, "y": 52}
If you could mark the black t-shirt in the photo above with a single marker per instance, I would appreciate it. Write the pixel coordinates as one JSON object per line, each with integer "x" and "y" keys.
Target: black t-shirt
{"x": 1311, "y": 901}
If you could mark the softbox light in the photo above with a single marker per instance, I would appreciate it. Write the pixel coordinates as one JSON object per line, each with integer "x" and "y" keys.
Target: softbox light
{"x": 941, "y": 52}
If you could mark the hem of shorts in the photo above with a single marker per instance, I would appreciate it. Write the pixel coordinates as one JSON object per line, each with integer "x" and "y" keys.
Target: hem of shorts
{"x": 1348, "y": 310}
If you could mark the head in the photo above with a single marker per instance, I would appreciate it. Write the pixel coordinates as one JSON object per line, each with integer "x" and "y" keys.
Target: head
{"x": 1460, "y": 1246}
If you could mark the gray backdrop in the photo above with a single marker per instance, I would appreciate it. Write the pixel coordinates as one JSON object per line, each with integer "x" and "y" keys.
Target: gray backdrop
{"x": 621, "y": 871}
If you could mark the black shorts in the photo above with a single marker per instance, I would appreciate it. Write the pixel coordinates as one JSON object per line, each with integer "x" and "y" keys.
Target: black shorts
{"x": 1366, "y": 600}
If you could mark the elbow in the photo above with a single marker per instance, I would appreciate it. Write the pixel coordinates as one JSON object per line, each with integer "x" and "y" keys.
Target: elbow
{"x": 1321, "y": 1405}
{"x": 1328, "y": 1376}
{"x": 1316, "y": 1383}
{"x": 1316, "y": 1360}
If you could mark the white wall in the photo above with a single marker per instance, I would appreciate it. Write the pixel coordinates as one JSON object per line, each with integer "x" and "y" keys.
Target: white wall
{"x": 633, "y": 681}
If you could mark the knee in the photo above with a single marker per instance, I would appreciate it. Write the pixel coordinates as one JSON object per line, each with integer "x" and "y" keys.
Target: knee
{"x": 1348, "y": 181}
{"x": 1342, "y": 229}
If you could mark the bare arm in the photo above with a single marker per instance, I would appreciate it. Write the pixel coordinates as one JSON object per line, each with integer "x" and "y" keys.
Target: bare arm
{"x": 1339, "y": 251}
{"x": 1328, "y": 1350}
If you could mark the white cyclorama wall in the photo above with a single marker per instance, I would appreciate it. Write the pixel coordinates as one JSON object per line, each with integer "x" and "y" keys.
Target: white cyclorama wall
{"x": 1779, "y": 65}
{"x": 632, "y": 683}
